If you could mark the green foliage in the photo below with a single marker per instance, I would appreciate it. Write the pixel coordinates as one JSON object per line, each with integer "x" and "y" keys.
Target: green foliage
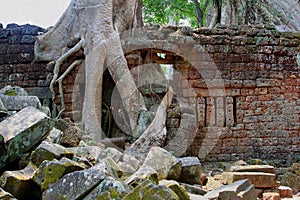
{"x": 167, "y": 11}
{"x": 177, "y": 12}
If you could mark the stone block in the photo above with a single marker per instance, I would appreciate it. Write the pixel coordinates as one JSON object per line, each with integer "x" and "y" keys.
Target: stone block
{"x": 271, "y": 196}
{"x": 291, "y": 180}
{"x": 147, "y": 189}
{"x": 264, "y": 82}
{"x": 18, "y": 183}
{"x": 13, "y": 91}
{"x": 109, "y": 188}
{"x": 160, "y": 160}
{"x": 17, "y": 103}
{"x": 285, "y": 192}
{"x": 21, "y": 132}
{"x": 180, "y": 143}
{"x": 175, "y": 170}
{"x": 258, "y": 179}
{"x": 131, "y": 160}
{"x": 77, "y": 184}
{"x": 191, "y": 170}
{"x": 2, "y": 107}
{"x": 51, "y": 171}
{"x": 210, "y": 115}
{"x": 110, "y": 152}
{"x": 241, "y": 189}
{"x": 194, "y": 189}
{"x": 5, "y": 195}
{"x": 49, "y": 151}
{"x": 144, "y": 172}
{"x": 254, "y": 168}
{"x": 54, "y": 136}
{"x": 126, "y": 170}
{"x": 180, "y": 191}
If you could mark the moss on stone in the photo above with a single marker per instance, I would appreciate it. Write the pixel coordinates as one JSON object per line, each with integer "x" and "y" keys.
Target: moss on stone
{"x": 111, "y": 194}
{"x": 53, "y": 173}
{"x": 61, "y": 197}
{"x": 180, "y": 191}
{"x": 149, "y": 191}
{"x": 11, "y": 92}
{"x": 39, "y": 155}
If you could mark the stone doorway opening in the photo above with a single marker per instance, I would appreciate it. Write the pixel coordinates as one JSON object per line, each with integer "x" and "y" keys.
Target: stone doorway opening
{"x": 153, "y": 72}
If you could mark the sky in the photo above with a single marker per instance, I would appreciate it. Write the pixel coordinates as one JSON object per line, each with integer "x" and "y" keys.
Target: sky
{"x": 43, "y": 13}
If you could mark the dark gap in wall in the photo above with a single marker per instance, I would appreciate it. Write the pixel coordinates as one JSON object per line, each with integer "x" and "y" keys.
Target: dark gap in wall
{"x": 234, "y": 112}
{"x": 224, "y": 108}
{"x": 205, "y": 111}
{"x": 216, "y": 111}
{"x": 197, "y": 111}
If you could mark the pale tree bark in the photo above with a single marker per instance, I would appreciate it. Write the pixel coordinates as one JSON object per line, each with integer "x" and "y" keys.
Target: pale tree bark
{"x": 98, "y": 23}
{"x": 216, "y": 13}
{"x": 283, "y": 14}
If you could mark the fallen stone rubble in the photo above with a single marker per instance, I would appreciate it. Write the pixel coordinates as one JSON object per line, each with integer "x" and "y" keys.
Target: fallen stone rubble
{"x": 14, "y": 99}
{"x": 36, "y": 162}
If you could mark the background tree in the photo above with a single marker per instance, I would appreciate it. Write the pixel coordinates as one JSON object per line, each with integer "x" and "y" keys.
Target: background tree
{"x": 217, "y": 12}
{"x": 201, "y": 10}
{"x": 283, "y": 14}
{"x": 168, "y": 11}
{"x": 190, "y": 12}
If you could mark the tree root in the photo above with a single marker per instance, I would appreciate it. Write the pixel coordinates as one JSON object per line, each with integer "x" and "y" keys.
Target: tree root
{"x": 60, "y": 81}
{"x": 59, "y": 62}
{"x": 155, "y": 134}
{"x": 56, "y": 69}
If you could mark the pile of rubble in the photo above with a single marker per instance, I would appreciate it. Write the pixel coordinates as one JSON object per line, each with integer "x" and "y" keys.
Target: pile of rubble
{"x": 43, "y": 158}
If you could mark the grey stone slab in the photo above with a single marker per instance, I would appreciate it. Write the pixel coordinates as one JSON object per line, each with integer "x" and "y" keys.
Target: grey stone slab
{"x": 17, "y": 103}
{"x": 238, "y": 190}
{"x": 21, "y": 132}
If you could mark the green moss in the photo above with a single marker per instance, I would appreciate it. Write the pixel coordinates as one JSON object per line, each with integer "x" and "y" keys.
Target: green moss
{"x": 39, "y": 155}
{"x": 149, "y": 191}
{"x": 61, "y": 197}
{"x": 257, "y": 162}
{"x": 11, "y": 92}
{"x": 180, "y": 191}
{"x": 111, "y": 194}
{"x": 49, "y": 173}
{"x": 52, "y": 174}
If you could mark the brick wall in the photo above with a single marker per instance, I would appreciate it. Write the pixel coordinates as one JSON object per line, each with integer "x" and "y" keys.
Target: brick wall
{"x": 258, "y": 114}
{"x": 16, "y": 61}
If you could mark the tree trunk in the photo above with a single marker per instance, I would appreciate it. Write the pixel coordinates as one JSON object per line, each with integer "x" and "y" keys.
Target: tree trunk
{"x": 200, "y": 12}
{"x": 217, "y": 13}
{"x": 283, "y": 14}
{"x": 99, "y": 23}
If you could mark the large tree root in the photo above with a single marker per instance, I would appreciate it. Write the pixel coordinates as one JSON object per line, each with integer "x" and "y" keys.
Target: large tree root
{"x": 155, "y": 134}
{"x": 59, "y": 62}
{"x": 99, "y": 23}
{"x": 60, "y": 81}
{"x": 56, "y": 70}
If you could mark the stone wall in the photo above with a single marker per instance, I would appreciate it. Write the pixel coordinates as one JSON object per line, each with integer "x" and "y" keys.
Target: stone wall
{"x": 261, "y": 78}
{"x": 245, "y": 90}
{"x": 252, "y": 111}
{"x": 16, "y": 61}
